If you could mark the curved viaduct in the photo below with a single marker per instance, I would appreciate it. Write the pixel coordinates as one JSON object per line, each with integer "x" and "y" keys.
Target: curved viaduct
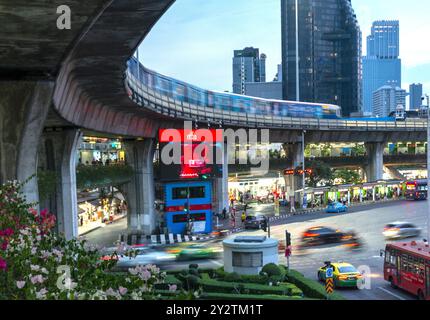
{"x": 55, "y": 82}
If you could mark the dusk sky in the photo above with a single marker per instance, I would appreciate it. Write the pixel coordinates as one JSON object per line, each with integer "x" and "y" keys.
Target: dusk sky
{"x": 195, "y": 39}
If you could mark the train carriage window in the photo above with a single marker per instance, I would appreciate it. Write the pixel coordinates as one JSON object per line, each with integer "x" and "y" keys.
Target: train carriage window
{"x": 195, "y": 96}
{"x": 179, "y": 91}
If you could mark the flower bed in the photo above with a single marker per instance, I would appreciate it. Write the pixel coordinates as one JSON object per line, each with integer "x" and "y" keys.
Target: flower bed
{"x": 35, "y": 263}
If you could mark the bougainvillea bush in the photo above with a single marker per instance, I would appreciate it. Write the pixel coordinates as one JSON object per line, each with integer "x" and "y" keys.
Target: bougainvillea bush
{"x": 36, "y": 263}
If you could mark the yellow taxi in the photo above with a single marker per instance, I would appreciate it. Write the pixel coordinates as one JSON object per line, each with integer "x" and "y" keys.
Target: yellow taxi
{"x": 345, "y": 275}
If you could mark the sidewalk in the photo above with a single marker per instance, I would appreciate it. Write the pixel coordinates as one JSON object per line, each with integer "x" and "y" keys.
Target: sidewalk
{"x": 98, "y": 224}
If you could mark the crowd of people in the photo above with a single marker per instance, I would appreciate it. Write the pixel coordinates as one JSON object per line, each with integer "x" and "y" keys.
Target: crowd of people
{"x": 103, "y": 213}
{"x": 107, "y": 162}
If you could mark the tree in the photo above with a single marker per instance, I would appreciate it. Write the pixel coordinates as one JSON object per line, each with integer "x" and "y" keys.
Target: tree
{"x": 358, "y": 150}
{"x": 321, "y": 173}
{"x": 348, "y": 176}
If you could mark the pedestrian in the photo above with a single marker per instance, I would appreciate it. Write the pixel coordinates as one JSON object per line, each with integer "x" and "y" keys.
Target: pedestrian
{"x": 243, "y": 217}
{"x": 190, "y": 227}
{"x": 224, "y": 213}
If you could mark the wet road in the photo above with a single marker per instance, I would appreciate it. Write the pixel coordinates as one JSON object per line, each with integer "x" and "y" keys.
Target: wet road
{"x": 367, "y": 223}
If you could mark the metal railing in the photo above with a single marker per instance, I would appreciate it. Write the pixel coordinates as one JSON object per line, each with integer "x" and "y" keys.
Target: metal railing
{"x": 148, "y": 98}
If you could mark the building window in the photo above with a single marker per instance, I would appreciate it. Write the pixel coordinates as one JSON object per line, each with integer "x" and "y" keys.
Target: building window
{"x": 248, "y": 259}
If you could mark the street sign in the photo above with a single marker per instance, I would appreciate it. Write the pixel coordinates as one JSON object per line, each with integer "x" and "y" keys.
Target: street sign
{"x": 329, "y": 286}
{"x": 329, "y": 273}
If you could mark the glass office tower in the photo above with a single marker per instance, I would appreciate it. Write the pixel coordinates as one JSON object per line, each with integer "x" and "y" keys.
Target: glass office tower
{"x": 329, "y": 50}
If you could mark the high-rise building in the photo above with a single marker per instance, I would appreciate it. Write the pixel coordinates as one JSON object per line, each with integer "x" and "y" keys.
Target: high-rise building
{"x": 329, "y": 50}
{"x": 248, "y": 66}
{"x": 386, "y": 99}
{"x": 415, "y": 95}
{"x": 381, "y": 65}
{"x": 266, "y": 90}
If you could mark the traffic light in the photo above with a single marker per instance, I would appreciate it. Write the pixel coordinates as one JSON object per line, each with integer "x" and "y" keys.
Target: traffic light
{"x": 204, "y": 177}
{"x": 186, "y": 207}
{"x": 264, "y": 225}
{"x": 287, "y": 238}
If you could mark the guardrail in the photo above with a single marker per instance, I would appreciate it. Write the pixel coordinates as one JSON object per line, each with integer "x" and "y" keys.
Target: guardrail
{"x": 148, "y": 98}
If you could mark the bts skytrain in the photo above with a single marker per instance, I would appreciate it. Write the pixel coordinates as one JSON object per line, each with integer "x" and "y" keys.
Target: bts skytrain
{"x": 184, "y": 92}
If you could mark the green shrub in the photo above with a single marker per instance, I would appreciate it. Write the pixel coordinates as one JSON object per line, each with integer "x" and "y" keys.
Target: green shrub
{"x": 251, "y": 288}
{"x": 233, "y": 277}
{"x": 205, "y": 276}
{"x": 310, "y": 287}
{"x": 194, "y": 272}
{"x": 210, "y": 271}
{"x": 232, "y": 296}
{"x": 220, "y": 273}
{"x": 273, "y": 270}
{"x": 169, "y": 280}
{"x": 191, "y": 282}
{"x": 255, "y": 279}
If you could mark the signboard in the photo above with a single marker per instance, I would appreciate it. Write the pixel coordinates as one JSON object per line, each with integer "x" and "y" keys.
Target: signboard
{"x": 329, "y": 286}
{"x": 199, "y": 226}
{"x": 329, "y": 273}
{"x": 298, "y": 172}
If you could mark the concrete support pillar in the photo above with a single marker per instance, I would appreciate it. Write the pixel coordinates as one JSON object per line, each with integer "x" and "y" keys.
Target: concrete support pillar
{"x": 24, "y": 106}
{"x": 58, "y": 153}
{"x": 140, "y": 191}
{"x": 294, "y": 159}
{"x": 221, "y": 186}
{"x": 349, "y": 198}
{"x": 375, "y": 169}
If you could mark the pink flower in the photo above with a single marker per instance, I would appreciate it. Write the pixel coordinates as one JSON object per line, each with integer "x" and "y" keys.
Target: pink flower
{"x": 145, "y": 275}
{"x": 4, "y": 245}
{"x": 37, "y": 279}
{"x": 122, "y": 290}
{"x": 7, "y": 232}
{"x": 173, "y": 287}
{"x": 20, "y": 284}
{"x": 3, "y": 264}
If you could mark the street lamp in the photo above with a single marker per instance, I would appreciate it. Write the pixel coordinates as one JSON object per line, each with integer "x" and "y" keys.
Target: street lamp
{"x": 304, "y": 170}
{"x": 297, "y": 53}
{"x": 428, "y": 166}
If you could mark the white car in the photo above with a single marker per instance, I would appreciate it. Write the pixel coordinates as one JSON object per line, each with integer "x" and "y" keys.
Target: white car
{"x": 400, "y": 230}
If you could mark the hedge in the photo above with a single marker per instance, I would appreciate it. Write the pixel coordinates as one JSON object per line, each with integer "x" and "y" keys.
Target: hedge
{"x": 232, "y": 296}
{"x": 310, "y": 288}
{"x": 169, "y": 280}
{"x": 248, "y": 288}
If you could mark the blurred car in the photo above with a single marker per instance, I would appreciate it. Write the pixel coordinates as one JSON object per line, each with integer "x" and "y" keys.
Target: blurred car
{"x": 400, "y": 230}
{"x": 321, "y": 235}
{"x": 336, "y": 207}
{"x": 143, "y": 255}
{"x": 196, "y": 252}
{"x": 254, "y": 222}
{"x": 345, "y": 275}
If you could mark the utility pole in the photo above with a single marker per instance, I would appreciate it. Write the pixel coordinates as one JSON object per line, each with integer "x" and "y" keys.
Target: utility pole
{"x": 297, "y": 53}
{"x": 428, "y": 167}
{"x": 304, "y": 170}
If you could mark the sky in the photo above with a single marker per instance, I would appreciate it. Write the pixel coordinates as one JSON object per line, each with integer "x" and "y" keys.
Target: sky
{"x": 194, "y": 41}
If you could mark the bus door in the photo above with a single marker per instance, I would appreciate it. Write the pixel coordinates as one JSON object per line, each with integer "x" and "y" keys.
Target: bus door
{"x": 399, "y": 269}
{"x": 428, "y": 279}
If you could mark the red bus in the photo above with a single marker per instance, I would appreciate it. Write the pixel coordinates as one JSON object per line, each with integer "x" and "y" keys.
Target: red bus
{"x": 407, "y": 266}
{"x": 416, "y": 190}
